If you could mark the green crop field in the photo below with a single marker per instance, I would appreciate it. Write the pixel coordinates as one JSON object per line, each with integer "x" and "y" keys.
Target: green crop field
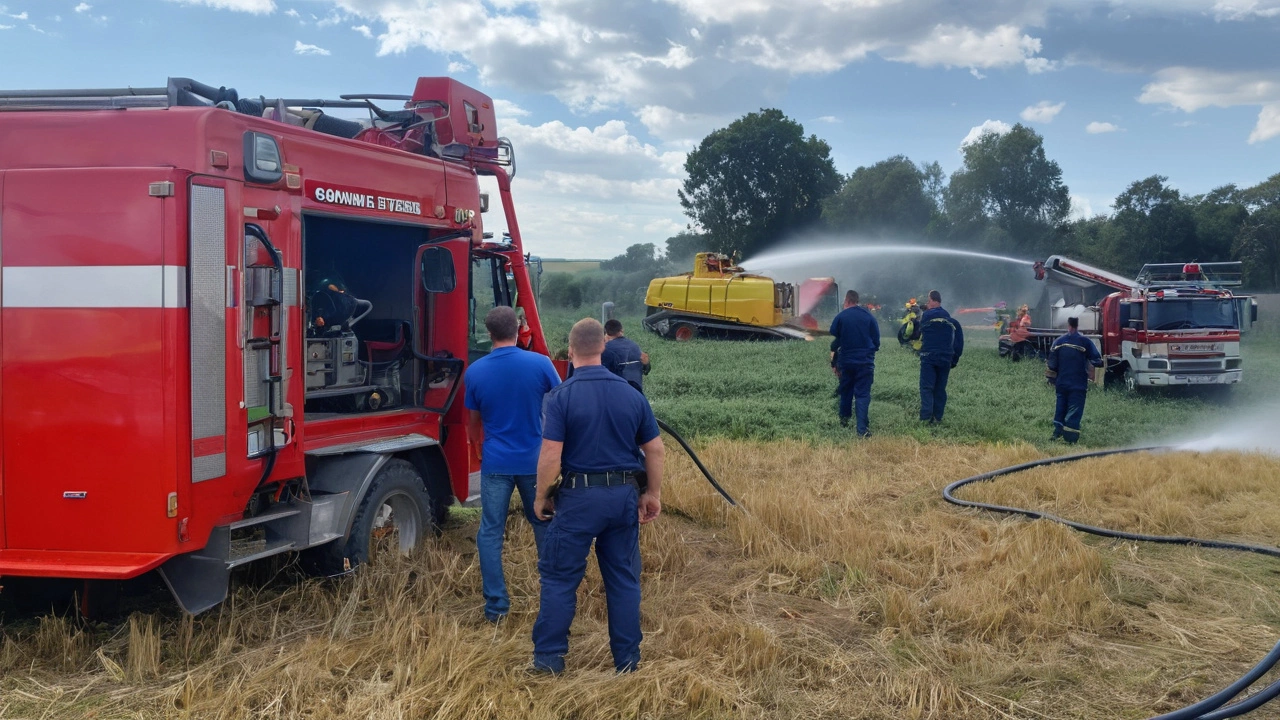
{"x": 783, "y": 390}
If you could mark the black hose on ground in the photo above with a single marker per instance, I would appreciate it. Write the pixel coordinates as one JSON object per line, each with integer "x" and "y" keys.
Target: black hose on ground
{"x": 1211, "y": 708}
{"x": 697, "y": 461}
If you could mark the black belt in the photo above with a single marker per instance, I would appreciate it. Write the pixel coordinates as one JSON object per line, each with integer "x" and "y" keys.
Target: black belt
{"x": 599, "y": 479}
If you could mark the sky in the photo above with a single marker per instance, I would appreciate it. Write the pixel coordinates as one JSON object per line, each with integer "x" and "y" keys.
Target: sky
{"x": 603, "y": 99}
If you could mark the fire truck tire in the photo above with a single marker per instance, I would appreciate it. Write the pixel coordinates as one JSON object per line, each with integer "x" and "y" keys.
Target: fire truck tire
{"x": 684, "y": 332}
{"x": 397, "y": 501}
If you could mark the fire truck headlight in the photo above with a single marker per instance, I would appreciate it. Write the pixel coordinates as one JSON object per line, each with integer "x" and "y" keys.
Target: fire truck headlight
{"x": 1157, "y": 364}
{"x": 262, "y": 162}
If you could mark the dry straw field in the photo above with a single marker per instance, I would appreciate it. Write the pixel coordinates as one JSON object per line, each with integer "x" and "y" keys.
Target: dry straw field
{"x": 844, "y": 588}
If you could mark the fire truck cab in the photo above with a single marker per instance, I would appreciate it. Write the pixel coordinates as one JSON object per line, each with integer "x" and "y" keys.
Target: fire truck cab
{"x": 233, "y": 327}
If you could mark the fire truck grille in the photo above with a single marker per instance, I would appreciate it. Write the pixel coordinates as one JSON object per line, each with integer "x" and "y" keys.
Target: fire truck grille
{"x": 1196, "y": 365}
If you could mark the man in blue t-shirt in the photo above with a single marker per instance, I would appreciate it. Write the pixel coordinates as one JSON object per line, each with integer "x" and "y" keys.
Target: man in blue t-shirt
{"x": 504, "y": 394}
{"x": 599, "y": 433}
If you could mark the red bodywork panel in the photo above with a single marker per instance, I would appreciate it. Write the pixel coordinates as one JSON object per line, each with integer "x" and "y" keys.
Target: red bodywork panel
{"x": 96, "y": 400}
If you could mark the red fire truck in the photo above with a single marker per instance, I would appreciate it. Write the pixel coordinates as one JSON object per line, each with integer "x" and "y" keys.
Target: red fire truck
{"x": 1176, "y": 324}
{"x": 234, "y": 327}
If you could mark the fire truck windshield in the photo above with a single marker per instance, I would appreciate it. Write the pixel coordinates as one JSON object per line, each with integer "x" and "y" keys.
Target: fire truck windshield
{"x": 1185, "y": 314}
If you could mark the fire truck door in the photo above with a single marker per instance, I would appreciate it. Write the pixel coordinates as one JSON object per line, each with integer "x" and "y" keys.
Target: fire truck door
{"x": 92, "y": 301}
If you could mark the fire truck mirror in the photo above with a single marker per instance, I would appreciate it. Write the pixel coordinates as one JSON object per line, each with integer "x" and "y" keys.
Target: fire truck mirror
{"x": 262, "y": 162}
{"x": 437, "y": 270}
{"x": 484, "y": 202}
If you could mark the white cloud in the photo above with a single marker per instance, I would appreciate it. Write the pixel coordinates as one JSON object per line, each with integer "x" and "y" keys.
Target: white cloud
{"x": 19, "y": 16}
{"x": 990, "y": 126}
{"x": 457, "y": 68}
{"x": 829, "y": 119}
{"x": 6, "y": 27}
{"x": 506, "y": 109}
{"x": 363, "y": 30}
{"x": 1097, "y": 128}
{"x": 955, "y": 46}
{"x": 977, "y": 74}
{"x": 1191, "y": 89}
{"x": 291, "y": 13}
{"x": 302, "y": 48}
{"x": 592, "y": 191}
{"x": 698, "y": 56}
{"x": 249, "y": 6}
{"x": 678, "y": 128}
{"x": 1243, "y": 10}
{"x": 1042, "y": 112}
{"x": 83, "y": 7}
{"x": 1268, "y": 124}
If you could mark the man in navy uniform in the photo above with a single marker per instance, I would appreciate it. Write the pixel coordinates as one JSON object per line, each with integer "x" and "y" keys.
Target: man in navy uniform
{"x": 600, "y": 435}
{"x": 1072, "y": 356}
{"x": 623, "y": 357}
{"x": 942, "y": 342}
{"x": 504, "y": 399}
{"x": 855, "y": 339}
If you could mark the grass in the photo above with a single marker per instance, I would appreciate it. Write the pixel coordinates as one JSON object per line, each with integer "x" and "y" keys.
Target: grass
{"x": 844, "y": 587}
{"x": 783, "y": 390}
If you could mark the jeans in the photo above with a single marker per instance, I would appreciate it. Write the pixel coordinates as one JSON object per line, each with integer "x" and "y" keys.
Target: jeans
{"x": 933, "y": 389}
{"x": 495, "y": 501}
{"x": 610, "y": 517}
{"x": 1067, "y": 416}
{"x": 855, "y": 384}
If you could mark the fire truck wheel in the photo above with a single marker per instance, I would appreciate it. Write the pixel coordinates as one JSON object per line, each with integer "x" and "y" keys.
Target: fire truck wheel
{"x": 395, "y": 514}
{"x": 684, "y": 332}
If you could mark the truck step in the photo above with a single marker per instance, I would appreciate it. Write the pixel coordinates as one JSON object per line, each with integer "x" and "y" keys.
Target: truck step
{"x": 245, "y": 552}
{"x": 279, "y": 513}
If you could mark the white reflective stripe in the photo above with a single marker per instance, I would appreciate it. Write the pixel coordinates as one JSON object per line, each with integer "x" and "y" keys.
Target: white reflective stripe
{"x": 95, "y": 286}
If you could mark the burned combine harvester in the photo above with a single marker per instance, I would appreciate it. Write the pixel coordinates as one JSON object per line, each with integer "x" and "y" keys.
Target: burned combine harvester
{"x": 720, "y": 300}
{"x": 248, "y": 317}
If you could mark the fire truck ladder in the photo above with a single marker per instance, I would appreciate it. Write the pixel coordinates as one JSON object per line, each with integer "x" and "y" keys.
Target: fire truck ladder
{"x": 305, "y": 112}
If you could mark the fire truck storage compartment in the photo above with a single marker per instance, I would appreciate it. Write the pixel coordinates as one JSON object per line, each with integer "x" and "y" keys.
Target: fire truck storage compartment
{"x": 360, "y": 297}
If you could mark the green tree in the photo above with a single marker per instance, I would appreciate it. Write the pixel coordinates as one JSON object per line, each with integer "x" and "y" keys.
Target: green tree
{"x": 1258, "y": 242}
{"x": 1155, "y": 223}
{"x": 891, "y": 197}
{"x": 1007, "y": 181}
{"x": 1219, "y": 215}
{"x": 756, "y": 181}
{"x": 639, "y": 258}
{"x": 683, "y": 246}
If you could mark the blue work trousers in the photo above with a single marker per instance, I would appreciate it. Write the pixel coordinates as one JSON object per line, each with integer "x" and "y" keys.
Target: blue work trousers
{"x": 1067, "y": 416}
{"x": 933, "y": 388}
{"x": 855, "y": 384}
{"x": 610, "y": 516}
{"x": 495, "y": 502}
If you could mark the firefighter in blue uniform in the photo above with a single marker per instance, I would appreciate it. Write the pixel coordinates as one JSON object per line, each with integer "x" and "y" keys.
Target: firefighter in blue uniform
{"x": 1072, "y": 356}
{"x": 623, "y": 357}
{"x": 942, "y": 342}
{"x": 854, "y": 343}
{"x": 600, "y": 436}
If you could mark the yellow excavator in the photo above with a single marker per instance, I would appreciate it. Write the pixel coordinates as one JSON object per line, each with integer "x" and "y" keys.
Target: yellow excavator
{"x": 720, "y": 300}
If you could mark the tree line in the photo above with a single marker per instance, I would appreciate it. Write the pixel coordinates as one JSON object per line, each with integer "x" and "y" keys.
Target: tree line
{"x": 761, "y": 180}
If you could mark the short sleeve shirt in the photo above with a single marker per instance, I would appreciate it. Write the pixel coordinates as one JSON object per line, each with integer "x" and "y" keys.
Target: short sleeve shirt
{"x": 601, "y": 419}
{"x": 506, "y": 387}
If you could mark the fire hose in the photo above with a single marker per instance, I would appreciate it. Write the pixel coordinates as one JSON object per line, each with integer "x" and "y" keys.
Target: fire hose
{"x": 1211, "y": 708}
{"x": 697, "y": 461}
